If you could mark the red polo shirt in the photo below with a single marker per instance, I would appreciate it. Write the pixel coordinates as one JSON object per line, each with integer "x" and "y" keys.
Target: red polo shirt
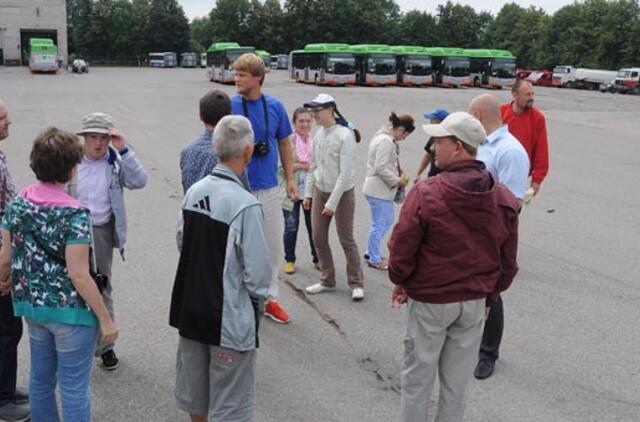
{"x": 530, "y": 129}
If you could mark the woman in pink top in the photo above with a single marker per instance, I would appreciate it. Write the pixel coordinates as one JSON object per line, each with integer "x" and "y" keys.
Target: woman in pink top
{"x": 302, "y": 147}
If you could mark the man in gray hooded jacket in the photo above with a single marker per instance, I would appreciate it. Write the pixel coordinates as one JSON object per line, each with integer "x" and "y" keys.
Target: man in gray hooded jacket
{"x": 222, "y": 280}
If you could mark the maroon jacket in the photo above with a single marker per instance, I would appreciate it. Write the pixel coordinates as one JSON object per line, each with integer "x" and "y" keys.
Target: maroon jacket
{"x": 456, "y": 238}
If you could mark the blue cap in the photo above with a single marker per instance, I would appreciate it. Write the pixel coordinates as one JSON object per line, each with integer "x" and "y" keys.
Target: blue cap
{"x": 438, "y": 113}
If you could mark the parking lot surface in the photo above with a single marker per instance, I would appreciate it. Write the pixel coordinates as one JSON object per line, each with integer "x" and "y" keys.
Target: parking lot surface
{"x": 570, "y": 348}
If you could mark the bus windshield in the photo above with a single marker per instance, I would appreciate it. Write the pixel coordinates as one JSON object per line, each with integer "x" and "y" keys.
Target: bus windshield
{"x": 418, "y": 65}
{"x": 232, "y": 55}
{"x": 456, "y": 66}
{"x": 381, "y": 64}
{"x": 156, "y": 57}
{"x": 503, "y": 69}
{"x": 341, "y": 63}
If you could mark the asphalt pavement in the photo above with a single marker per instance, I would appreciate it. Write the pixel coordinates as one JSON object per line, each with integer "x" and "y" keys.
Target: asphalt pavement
{"x": 571, "y": 342}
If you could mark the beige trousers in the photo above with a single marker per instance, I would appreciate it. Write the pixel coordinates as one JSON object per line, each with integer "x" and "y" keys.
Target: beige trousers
{"x": 344, "y": 215}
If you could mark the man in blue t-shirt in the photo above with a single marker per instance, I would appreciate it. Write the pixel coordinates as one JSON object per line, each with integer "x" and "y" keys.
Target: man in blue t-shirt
{"x": 272, "y": 129}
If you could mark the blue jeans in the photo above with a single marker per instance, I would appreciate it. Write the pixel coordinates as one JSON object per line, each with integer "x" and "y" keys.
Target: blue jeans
{"x": 61, "y": 354}
{"x": 382, "y": 218}
{"x": 291, "y": 224}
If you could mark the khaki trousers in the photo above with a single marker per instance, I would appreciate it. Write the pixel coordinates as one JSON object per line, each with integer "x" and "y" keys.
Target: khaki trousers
{"x": 273, "y": 229}
{"x": 442, "y": 337}
{"x": 344, "y": 215}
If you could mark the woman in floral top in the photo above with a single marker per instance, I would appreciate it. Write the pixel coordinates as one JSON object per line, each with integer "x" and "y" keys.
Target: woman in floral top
{"x": 44, "y": 261}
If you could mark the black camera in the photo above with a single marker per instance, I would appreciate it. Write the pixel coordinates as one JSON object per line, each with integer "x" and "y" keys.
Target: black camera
{"x": 260, "y": 149}
{"x": 101, "y": 280}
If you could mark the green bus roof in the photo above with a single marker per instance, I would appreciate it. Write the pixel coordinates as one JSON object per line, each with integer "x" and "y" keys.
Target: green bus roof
{"x": 263, "y": 53}
{"x": 222, "y": 46}
{"x": 486, "y": 53}
{"x": 409, "y": 50}
{"x": 371, "y": 48}
{"x": 326, "y": 48}
{"x": 446, "y": 52}
{"x": 41, "y": 41}
{"x": 42, "y": 45}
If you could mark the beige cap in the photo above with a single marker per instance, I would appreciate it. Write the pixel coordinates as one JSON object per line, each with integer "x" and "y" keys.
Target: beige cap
{"x": 460, "y": 124}
{"x": 96, "y": 123}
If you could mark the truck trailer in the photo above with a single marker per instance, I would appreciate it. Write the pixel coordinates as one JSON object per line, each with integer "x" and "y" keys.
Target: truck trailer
{"x": 579, "y": 77}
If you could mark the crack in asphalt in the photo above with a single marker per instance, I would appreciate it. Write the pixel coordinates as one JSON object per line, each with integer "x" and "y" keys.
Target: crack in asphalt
{"x": 366, "y": 362}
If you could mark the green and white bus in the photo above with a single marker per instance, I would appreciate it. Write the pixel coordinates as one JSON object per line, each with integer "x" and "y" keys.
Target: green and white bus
{"x": 323, "y": 64}
{"x": 450, "y": 66}
{"x": 414, "y": 65}
{"x": 220, "y": 58}
{"x": 375, "y": 65}
{"x": 492, "y": 68}
{"x": 266, "y": 58}
{"x": 43, "y": 55}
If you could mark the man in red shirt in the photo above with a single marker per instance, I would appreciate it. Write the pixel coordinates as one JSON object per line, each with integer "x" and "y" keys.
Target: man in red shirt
{"x": 451, "y": 253}
{"x": 528, "y": 125}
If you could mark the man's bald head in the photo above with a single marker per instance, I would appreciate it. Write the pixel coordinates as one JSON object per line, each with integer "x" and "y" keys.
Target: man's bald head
{"x": 485, "y": 108}
{"x": 4, "y": 121}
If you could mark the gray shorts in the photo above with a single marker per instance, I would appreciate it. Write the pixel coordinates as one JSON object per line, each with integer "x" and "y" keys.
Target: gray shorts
{"x": 215, "y": 380}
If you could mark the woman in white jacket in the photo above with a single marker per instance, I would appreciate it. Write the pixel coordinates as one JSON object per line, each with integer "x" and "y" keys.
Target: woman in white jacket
{"x": 329, "y": 191}
{"x": 384, "y": 177}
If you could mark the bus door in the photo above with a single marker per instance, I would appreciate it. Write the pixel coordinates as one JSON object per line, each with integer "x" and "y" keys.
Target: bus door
{"x": 485, "y": 70}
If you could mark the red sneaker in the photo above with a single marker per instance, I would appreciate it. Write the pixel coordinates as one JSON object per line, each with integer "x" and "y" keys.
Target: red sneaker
{"x": 273, "y": 310}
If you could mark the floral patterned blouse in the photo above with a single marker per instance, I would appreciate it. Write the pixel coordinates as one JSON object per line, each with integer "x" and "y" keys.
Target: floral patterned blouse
{"x": 42, "y": 289}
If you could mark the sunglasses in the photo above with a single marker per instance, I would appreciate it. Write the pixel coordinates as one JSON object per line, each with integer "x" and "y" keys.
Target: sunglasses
{"x": 319, "y": 108}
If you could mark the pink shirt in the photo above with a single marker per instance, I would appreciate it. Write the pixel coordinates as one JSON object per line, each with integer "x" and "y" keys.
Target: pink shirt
{"x": 49, "y": 195}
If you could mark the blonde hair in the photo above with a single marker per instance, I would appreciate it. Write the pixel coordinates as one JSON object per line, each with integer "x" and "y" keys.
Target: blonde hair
{"x": 252, "y": 63}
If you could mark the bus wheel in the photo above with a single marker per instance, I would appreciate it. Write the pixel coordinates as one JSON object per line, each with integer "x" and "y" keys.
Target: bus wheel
{"x": 476, "y": 82}
{"x": 636, "y": 90}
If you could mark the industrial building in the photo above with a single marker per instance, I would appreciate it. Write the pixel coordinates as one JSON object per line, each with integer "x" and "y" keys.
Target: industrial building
{"x": 21, "y": 20}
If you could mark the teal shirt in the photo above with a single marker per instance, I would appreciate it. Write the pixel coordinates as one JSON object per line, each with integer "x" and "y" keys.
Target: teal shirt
{"x": 41, "y": 287}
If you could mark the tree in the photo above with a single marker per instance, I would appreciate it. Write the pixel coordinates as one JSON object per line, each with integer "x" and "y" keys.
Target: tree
{"x": 419, "y": 28}
{"x": 460, "y": 25}
{"x": 518, "y": 30}
{"x": 78, "y": 13}
{"x": 229, "y": 20}
{"x": 202, "y": 32}
{"x": 168, "y": 27}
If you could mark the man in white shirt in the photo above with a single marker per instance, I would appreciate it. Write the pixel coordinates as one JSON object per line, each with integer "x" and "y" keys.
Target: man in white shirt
{"x": 505, "y": 157}
{"x": 108, "y": 166}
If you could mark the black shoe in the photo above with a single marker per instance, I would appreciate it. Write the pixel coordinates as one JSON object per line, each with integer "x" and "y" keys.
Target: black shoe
{"x": 19, "y": 396}
{"x": 14, "y": 413}
{"x": 484, "y": 369}
{"x": 366, "y": 256}
{"x": 109, "y": 360}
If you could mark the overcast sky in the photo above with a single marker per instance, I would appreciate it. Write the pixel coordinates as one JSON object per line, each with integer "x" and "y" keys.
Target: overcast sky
{"x": 198, "y": 8}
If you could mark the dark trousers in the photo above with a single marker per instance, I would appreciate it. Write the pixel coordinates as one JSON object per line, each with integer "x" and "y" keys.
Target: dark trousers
{"x": 10, "y": 334}
{"x": 291, "y": 224}
{"x": 492, "y": 336}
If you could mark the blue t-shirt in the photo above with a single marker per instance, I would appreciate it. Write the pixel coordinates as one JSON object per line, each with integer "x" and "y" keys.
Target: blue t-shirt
{"x": 263, "y": 171}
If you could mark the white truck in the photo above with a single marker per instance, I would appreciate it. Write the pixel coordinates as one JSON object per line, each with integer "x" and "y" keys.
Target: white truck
{"x": 579, "y": 77}
{"x": 628, "y": 81}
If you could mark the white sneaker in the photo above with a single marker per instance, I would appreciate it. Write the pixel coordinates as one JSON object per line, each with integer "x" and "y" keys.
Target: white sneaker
{"x": 319, "y": 288}
{"x": 357, "y": 294}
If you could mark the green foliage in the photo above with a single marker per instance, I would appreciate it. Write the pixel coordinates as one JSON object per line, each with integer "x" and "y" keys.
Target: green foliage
{"x": 592, "y": 33}
{"x": 125, "y": 30}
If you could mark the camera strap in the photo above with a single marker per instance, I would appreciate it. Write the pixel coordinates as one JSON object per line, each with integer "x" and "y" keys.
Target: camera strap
{"x": 266, "y": 114}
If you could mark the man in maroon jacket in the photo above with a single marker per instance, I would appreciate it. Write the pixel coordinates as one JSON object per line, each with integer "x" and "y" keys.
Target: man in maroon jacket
{"x": 451, "y": 253}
